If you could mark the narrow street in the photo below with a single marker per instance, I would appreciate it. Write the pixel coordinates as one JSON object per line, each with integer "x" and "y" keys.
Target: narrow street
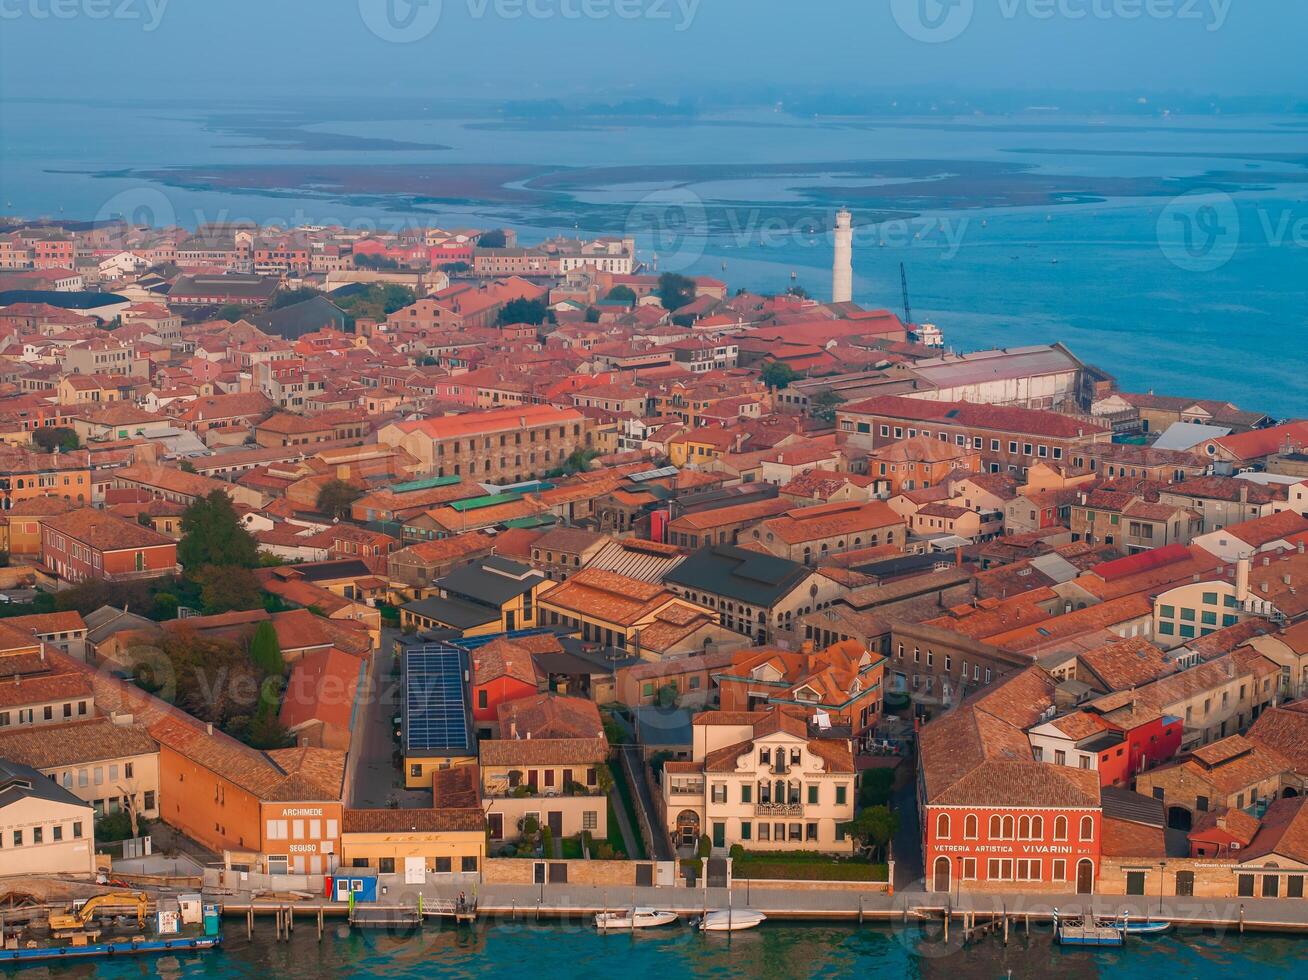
{"x": 634, "y": 764}
{"x": 372, "y": 780}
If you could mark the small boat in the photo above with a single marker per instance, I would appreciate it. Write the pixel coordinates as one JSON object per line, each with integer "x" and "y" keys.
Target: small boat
{"x": 731, "y": 920}
{"x": 640, "y": 918}
{"x": 1139, "y": 927}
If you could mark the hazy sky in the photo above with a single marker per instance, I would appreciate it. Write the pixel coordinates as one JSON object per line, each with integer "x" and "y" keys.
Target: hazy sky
{"x": 289, "y": 49}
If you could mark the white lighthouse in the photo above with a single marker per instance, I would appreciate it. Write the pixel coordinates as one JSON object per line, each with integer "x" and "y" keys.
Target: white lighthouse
{"x": 842, "y": 270}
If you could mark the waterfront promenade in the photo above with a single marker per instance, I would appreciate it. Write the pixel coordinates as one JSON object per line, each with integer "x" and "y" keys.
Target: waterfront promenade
{"x": 555, "y": 902}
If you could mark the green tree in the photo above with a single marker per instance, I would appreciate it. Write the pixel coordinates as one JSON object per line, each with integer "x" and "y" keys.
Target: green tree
{"x": 289, "y": 297}
{"x": 63, "y": 439}
{"x": 705, "y": 848}
{"x": 186, "y": 466}
{"x": 495, "y": 238}
{"x": 266, "y": 730}
{"x": 456, "y": 268}
{"x": 533, "y": 311}
{"x": 676, "y": 290}
{"x": 798, "y": 291}
{"x": 228, "y": 588}
{"x": 231, "y": 312}
{"x": 212, "y": 535}
{"x": 824, "y": 405}
{"x": 266, "y": 650}
{"x": 624, "y": 294}
{"x": 874, "y": 827}
{"x": 592, "y": 315}
{"x": 336, "y": 496}
{"x": 775, "y": 374}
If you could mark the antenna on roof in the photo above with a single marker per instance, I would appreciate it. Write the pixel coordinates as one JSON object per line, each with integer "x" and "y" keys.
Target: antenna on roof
{"x": 903, "y": 284}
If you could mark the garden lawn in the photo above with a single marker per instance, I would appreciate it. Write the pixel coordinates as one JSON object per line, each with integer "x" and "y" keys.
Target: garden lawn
{"x": 805, "y": 866}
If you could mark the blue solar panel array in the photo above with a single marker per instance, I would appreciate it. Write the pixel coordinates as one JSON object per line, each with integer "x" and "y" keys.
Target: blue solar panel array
{"x": 435, "y": 700}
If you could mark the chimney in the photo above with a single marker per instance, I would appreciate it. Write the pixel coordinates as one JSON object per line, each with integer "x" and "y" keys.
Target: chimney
{"x": 1244, "y": 493}
{"x": 513, "y": 729}
{"x": 208, "y": 727}
{"x": 1241, "y": 580}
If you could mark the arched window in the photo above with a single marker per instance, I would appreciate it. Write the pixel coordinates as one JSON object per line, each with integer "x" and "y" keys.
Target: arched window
{"x": 942, "y": 827}
{"x": 1087, "y": 828}
{"x": 1008, "y": 828}
{"x": 996, "y": 827}
{"x": 1037, "y": 828}
{"x": 1024, "y": 828}
{"x": 970, "y": 827}
{"x": 1060, "y": 828}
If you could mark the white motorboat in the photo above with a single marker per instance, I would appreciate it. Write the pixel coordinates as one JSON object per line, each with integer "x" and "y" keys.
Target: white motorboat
{"x": 731, "y": 920}
{"x": 639, "y": 918}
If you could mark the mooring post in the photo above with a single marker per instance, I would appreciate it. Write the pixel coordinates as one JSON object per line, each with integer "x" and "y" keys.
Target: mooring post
{"x": 1242, "y": 918}
{"x": 1005, "y": 930}
{"x": 320, "y": 922}
{"x": 249, "y": 921}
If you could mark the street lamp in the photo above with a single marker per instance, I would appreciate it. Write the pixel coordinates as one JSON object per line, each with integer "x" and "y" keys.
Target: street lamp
{"x": 1162, "y": 870}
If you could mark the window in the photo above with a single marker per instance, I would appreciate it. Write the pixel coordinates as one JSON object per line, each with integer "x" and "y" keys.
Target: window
{"x": 999, "y": 869}
{"x": 813, "y": 794}
{"x": 589, "y": 819}
{"x": 746, "y": 830}
{"x": 1059, "y": 870}
{"x": 942, "y": 827}
{"x": 719, "y": 793}
{"x": 1028, "y": 869}
{"x": 468, "y": 864}
{"x": 970, "y": 827}
{"x": 840, "y": 795}
{"x": 1087, "y": 828}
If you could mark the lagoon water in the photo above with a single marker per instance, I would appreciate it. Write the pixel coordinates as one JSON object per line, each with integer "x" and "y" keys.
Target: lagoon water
{"x": 1200, "y": 292}
{"x": 782, "y": 951}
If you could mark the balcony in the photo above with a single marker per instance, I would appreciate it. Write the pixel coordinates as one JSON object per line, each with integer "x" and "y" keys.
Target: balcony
{"x": 779, "y": 809}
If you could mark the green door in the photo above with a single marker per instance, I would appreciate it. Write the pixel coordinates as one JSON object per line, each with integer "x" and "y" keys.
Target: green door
{"x": 719, "y": 834}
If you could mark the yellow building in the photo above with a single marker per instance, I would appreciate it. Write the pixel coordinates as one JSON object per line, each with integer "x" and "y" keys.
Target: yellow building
{"x": 493, "y": 595}
{"x": 26, "y": 476}
{"x": 450, "y": 840}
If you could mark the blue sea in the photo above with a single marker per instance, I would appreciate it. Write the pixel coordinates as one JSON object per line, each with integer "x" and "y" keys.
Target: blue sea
{"x": 775, "y": 951}
{"x": 1202, "y": 292}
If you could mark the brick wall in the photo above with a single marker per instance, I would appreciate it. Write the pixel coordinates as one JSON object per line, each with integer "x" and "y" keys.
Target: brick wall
{"x": 522, "y": 871}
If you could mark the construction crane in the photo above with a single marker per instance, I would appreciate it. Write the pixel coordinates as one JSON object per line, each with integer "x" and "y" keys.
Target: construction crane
{"x": 903, "y": 284}
{"x": 81, "y": 920}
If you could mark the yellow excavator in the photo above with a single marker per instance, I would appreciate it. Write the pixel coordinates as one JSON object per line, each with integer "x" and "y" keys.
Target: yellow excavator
{"x": 81, "y": 921}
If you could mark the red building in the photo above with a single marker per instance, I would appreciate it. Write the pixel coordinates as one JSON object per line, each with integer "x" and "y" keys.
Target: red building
{"x": 502, "y": 670}
{"x": 993, "y": 818}
{"x": 91, "y": 544}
